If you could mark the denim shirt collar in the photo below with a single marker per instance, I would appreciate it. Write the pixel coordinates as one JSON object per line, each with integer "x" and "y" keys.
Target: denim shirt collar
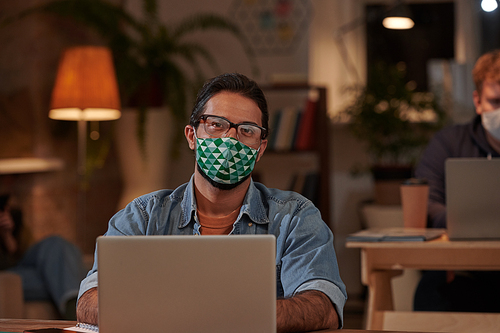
{"x": 253, "y": 205}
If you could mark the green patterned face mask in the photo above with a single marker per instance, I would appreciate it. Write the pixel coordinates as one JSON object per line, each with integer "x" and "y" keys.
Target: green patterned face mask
{"x": 225, "y": 160}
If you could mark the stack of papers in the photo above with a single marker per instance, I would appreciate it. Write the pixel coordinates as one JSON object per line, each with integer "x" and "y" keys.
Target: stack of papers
{"x": 395, "y": 235}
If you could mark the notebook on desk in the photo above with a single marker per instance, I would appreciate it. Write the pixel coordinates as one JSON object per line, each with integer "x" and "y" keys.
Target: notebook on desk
{"x": 473, "y": 198}
{"x": 187, "y": 284}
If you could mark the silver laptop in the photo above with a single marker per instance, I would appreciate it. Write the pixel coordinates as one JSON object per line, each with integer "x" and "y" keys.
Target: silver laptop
{"x": 187, "y": 284}
{"x": 473, "y": 198}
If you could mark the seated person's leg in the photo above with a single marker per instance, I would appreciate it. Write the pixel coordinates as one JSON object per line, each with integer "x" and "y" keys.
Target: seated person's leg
{"x": 488, "y": 285}
{"x": 469, "y": 291}
{"x": 33, "y": 285}
{"x": 430, "y": 293}
{"x": 59, "y": 264}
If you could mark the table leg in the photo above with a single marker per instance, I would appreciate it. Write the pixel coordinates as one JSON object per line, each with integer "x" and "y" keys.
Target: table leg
{"x": 379, "y": 297}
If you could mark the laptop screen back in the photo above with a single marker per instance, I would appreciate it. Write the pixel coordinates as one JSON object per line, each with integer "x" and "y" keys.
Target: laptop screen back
{"x": 187, "y": 284}
{"x": 473, "y": 198}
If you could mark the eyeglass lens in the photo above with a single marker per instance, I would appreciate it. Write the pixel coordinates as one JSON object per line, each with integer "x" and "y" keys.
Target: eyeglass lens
{"x": 246, "y": 133}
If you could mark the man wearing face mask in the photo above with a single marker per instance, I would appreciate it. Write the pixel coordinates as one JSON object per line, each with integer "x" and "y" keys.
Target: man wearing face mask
{"x": 462, "y": 291}
{"x": 228, "y": 130}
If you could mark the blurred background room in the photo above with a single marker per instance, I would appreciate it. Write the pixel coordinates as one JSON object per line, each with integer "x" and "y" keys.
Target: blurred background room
{"x": 68, "y": 176}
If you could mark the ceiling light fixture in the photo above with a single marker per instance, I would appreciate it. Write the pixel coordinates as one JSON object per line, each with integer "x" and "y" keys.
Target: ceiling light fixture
{"x": 398, "y": 17}
{"x": 489, "y": 5}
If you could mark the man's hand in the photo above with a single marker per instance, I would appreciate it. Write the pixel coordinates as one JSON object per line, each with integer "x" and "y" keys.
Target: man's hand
{"x": 6, "y": 229}
{"x": 87, "y": 309}
{"x": 306, "y": 311}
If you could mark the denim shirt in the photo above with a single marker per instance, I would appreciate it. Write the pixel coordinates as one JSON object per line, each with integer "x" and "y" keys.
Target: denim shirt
{"x": 305, "y": 255}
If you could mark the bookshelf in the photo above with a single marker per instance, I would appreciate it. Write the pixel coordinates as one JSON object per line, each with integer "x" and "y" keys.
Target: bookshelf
{"x": 279, "y": 168}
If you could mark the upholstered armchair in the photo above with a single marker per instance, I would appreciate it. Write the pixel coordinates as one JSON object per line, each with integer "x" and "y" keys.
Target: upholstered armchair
{"x": 12, "y": 304}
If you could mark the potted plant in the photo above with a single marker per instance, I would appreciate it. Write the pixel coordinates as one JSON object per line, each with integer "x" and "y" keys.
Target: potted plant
{"x": 158, "y": 71}
{"x": 394, "y": 121}
{"x": 149, "y": 54}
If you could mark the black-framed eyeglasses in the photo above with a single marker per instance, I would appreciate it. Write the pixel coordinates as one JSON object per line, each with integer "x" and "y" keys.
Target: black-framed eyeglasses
{"x": 247, "y": 133}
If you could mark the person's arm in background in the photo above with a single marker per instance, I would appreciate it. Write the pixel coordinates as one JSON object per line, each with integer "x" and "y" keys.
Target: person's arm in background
{"x": 306, "y": 311}
{"x": 87, "y": 309}
{"x": 432, "y": 168}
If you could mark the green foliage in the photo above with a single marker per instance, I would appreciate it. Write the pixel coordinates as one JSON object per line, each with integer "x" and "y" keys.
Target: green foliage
{"x": 149, "y": 55}
{"x": 393, "y": 120}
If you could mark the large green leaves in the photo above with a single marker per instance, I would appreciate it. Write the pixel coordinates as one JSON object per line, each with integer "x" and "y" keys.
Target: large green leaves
{"x": 156, "y": 64}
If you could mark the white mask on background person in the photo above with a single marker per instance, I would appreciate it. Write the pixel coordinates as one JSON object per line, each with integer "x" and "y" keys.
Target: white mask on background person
{"x": 491, "y": 122}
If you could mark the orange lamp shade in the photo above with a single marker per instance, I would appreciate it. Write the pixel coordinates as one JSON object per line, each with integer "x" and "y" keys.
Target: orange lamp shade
{"x": 85, "y": 86}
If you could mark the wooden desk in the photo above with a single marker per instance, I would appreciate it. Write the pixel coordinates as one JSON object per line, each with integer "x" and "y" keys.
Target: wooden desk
{"x": 19, "y": 325}
{"x": 381, "y": 261}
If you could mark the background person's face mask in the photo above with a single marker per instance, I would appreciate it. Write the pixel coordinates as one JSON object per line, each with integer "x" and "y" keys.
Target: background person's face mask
{"x": 225, "y": 160}
{"x": 491, "y": 122}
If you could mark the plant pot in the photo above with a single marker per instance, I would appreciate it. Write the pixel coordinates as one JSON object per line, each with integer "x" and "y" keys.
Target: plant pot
{"x": 387, "y": 181}
{"x": 147, "y": 170}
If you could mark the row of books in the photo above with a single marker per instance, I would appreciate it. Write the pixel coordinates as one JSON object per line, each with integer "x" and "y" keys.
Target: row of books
{"x": 306, "y": 184}
{"x": 292, "y": 127}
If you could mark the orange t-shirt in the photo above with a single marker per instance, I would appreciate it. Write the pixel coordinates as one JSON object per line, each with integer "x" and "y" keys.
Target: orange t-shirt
{"x": 217, "y": 225}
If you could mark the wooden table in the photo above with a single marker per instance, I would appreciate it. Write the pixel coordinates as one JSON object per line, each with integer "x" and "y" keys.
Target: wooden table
{"x": 381, "y": 261}
{"x": 19, "y": 325}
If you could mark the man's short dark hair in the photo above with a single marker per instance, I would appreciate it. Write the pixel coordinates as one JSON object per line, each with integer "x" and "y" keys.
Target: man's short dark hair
{"x": 231, "y": 82}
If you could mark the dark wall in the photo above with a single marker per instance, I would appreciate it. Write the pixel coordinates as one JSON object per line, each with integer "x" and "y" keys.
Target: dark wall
{"x": 431, "y": 37}
{"x": 490, "y": 30}
{"x": 29, "y": 55}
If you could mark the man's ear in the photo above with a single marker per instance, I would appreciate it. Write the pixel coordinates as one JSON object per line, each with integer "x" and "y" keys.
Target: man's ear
{"x": 189, "y": 134}
{"x": 263, "y": 146}
{"x": 477, "y": 102}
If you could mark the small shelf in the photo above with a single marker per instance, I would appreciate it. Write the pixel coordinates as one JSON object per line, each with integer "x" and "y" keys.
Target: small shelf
{"x": 22, "y": 165}
{"x": 277, "y": 168}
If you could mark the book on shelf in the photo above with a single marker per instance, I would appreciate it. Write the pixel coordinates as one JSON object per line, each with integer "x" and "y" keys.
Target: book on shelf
{"x": 395, "y": 235}
{"x": 296, "y": 127}
{"x": 307, "y": 184}
{"x": 285, "y": 128}
{"x": 311, "y": 187}
{"x": 293, "y": 127}
{"x": 297, "y": 183}
{"x": 305, "y": 132}
{"x": 274, "y": 121}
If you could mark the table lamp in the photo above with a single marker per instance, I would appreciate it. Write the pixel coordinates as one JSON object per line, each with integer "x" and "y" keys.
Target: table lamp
{"x": 85, "y": 89}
